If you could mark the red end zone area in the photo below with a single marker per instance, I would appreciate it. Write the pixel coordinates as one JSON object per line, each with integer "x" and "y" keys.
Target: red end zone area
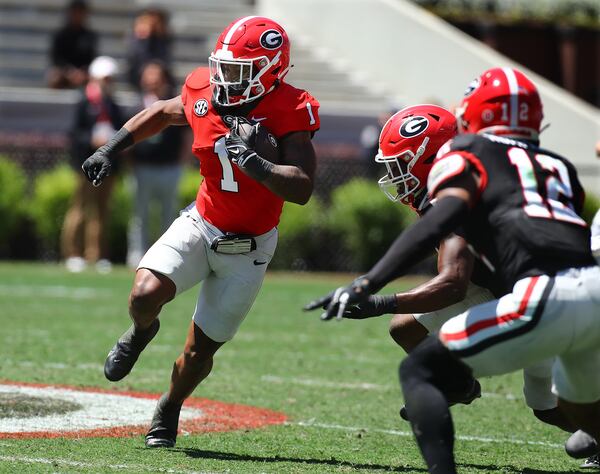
{"x": 107, "y": 413}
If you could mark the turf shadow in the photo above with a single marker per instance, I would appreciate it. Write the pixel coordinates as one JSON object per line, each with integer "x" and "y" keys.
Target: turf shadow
{"x": 508, "y": 469}
{"x": 224, "y": 456}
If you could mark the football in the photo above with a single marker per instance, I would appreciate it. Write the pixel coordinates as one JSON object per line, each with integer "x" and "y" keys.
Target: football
{"x": 265, "y": 143}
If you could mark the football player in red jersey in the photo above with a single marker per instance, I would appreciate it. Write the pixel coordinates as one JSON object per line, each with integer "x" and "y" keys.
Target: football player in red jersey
{"x": 518, "y": 205}
{"x": 228, "y": 236}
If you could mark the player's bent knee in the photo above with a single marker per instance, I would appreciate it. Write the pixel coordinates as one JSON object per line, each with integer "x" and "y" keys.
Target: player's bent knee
{"x": 150, "y": 292}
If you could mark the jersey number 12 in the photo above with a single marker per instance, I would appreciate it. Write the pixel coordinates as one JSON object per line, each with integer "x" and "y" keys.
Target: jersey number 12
{"x": 557, "y": 183}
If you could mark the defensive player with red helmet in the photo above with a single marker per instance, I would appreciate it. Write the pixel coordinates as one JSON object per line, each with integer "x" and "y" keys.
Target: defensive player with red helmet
{"x": 227, "y": 237}
{"x": 518, "y": 208}
{"x": 408, "y": 144}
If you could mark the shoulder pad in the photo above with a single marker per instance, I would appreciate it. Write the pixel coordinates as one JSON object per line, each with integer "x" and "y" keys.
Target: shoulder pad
{"x": 444, "y": 169}
{"x": 198, "y": 78}
{"x": 464, "y": 141}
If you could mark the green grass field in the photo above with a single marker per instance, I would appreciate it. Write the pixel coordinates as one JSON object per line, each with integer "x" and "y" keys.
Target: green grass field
{"x": 336, "y": 382}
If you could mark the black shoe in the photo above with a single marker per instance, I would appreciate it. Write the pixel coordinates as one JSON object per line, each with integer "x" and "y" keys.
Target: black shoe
{"x": 581, "y": 445}
{"x": 593, "y": 462}
{"x": 163, "y": 430}
{"x": 125, "y": 352}
{"x": 463, "y": 399}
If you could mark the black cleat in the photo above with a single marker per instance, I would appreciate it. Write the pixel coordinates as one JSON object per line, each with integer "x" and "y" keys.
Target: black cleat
{"x": 453, "y": 399}
{"x": 163, "y": 429}
{"x": 593, "y": 462}
{"x": 125, "y": 352}
{"x": 581, "y": 445}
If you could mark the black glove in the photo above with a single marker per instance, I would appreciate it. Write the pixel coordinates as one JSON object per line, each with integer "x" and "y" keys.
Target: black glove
{"x": 338, "y": 301}
{"x": 241, "y": 152}
{"x": 375, "y": 305}
{"x": 97, "y": 167}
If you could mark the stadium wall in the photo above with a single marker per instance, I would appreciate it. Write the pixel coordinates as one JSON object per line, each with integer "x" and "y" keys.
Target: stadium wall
{"x": 413, "y": 56}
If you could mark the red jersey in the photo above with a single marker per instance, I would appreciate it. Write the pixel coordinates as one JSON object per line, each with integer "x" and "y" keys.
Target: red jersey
{"x": 227, "y": 198}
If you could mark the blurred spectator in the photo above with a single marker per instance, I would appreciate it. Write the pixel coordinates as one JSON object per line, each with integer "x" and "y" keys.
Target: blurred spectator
{"x": 150, "y": 40}
{"x": 369, "y": 140}
{"x": 73, "y": 49}
{"x": 595, "y": 227}
{"x": 97, "y": 117}
{"x": 156, "y": 166}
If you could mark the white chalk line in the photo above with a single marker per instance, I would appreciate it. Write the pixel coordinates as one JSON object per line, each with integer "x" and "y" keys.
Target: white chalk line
{"x": 480, "y": 439}
{"x": 355, "y": 385}
{"x": 70, "y": 463}
{"x": 53, "y": 291}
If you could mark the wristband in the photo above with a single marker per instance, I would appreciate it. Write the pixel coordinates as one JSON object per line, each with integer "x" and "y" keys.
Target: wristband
{"x": 120, "y": 141}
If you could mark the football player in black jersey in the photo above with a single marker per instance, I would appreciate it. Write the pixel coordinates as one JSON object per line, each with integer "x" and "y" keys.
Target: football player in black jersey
{"x": 518, "y": 205}
{"x": 408, "y": 144}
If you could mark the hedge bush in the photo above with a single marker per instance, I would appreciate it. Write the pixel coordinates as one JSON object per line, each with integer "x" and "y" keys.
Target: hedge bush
{"x": 590, "y": 207}
{"x": 121, "y": 207}
{"x": 301, "y": 239}
{"x": 365, "y": 221}
{"x": 12, "y": 207}
{"x": 188, "y": 186}
{"x": 49, "y": 203}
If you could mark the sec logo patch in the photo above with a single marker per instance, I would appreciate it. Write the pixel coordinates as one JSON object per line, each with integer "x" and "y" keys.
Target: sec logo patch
{"x": 201, "y": 107}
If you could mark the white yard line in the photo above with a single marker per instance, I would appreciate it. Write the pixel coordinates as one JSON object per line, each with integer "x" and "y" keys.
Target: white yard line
{"x": 324, "y": 383}
{"x": 355, "y": 385}
{"x": 480, "y": 439}
{"x": 69, "y": 463}
{"x": 53, "y": 291}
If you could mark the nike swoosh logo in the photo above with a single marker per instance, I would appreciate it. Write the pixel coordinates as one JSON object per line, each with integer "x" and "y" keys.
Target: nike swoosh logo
{"x": 256, "y": 262}
{"x": 258, "y": 119}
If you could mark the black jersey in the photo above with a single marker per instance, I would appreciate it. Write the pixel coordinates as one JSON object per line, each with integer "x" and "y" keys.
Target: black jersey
{"x": 526, "y": 221}
{"x": 482, "y": 275}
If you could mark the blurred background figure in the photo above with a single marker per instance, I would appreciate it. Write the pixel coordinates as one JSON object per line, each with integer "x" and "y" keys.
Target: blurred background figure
{"x": 150, "y": 40}
{"x": 73, "y": 49}
{"x": 157, "y": 167}
{"x": 369, "y": 139}
{"x": 97, "y": 117}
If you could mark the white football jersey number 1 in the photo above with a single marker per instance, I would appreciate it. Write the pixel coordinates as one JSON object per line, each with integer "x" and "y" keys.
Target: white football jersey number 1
{"x": 227, "y": 181}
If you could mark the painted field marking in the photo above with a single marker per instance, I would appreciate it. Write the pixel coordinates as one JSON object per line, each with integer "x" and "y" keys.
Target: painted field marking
{"x": 356, "y": 385}
{"x": 53, "y": 291}
{"x": 109, "y": 413}
{"x": 480, "y": 439}
{"x": 70, "y": 463}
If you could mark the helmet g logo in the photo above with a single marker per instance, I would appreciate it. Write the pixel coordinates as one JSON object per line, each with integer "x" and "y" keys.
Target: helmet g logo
{"x": 271, "y": 39}
{"x": 474, "y": 84}
{"x": 413, "y": 126}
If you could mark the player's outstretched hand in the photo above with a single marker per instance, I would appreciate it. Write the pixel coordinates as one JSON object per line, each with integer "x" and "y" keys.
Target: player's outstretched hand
{"x": 97, "y": 167}
{"x": 375, "y": 305}
{"x": 340, "y": 301}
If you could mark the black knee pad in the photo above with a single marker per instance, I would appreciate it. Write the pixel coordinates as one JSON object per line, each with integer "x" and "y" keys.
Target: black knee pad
{"x": 432, "y": 362}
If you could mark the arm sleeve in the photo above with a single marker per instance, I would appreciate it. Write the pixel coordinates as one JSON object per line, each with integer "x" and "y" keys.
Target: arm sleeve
{"x": 418, "y": 241}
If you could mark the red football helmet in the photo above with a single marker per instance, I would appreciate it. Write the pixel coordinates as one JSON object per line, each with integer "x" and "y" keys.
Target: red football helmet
{"x": 502, "y": 101}
{"x": 408, "y": 144}
{"x": 250, "y": 56}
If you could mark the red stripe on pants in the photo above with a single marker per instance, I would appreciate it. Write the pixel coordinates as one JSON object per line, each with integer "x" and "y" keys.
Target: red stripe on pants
{"x": 496, "y": 320}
